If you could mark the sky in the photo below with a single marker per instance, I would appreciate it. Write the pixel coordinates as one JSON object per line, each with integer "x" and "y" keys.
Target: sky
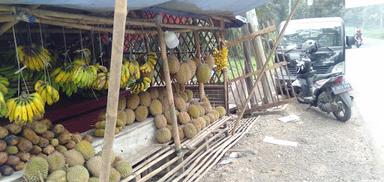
{"x": 359, "y": 3}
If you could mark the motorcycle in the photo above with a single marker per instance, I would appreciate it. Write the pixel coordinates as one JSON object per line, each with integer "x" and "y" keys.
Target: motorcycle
{"x": 329, "y": 92}
{"x": 358, "y": 41}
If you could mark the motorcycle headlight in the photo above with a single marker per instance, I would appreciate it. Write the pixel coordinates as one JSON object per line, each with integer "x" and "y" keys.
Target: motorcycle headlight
{"x": 339, "y": 67}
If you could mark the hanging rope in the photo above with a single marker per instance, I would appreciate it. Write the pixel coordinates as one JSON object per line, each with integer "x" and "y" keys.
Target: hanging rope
{"x": 101, "y": 50}
{"x": 20, "y": 74}
{"x": 41, "y": 36}
{"x": 93, "y": 49}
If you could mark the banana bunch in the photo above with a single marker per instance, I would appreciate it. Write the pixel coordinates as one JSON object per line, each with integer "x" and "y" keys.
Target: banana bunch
{"x": 149, "y": 64}
{"x": 63, "y": 74}
{"x": 4, "y": 83}
{"x": 102, "y": 78}
{"x": 221, "y": 58}
{"x": 69, "y": 88}
{"x": 3, "y": 105}
{"x": 84, "y": 75}
{"x": 23, "y": 108}
{"x": 134, "y": 69}
{"x": 140, "y": 85}
{"x": 48, "y": 93}
{"x": 34, "y": 58}
{"x": 124, "y": 74}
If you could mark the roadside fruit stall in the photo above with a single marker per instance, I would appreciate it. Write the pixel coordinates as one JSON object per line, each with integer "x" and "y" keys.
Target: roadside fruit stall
{"x": 57, "y": 76}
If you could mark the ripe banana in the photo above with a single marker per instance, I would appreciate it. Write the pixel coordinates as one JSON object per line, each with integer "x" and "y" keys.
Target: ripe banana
{"x": 23, "y": 108}
{"x": 221, "y": 58}
{"x": 150, "y": 63}
{"x": 140, "y": 85}
{"x": 48, "y": 93}
{"x": 33, "y": 57}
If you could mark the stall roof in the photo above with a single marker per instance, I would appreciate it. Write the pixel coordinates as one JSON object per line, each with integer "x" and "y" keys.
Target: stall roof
{"x": 209, "y": 7}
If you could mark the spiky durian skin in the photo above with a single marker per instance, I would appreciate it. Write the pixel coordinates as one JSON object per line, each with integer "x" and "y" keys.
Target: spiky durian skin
{"x": 36, "y": 169}
{"x": 77, "y": 174}
{"x": 57, "y": 176}
{"x": 86, "y": 149}
{"x": 124, "y": 168}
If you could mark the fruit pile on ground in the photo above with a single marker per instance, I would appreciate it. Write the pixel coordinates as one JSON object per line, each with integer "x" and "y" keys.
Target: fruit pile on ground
{"x": 79, "y": 164}
{"x": 19, "y": 144}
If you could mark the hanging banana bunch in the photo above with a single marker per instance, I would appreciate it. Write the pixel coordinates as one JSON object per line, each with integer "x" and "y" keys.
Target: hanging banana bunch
{"x": 149, "y": 64}
{"x": 134, "y": 69}
{"x": 33, "y": 57}
{"x": 140, "y": 85}
{"x": 221, "y": 58}
{"x": 48, "y": 93}
{"x": 63, "y": 74}
{"x": 24, "y": 108}
{"x": 69, "y": 88}
{"x": 4, "y": 83}
{"x": 102, "y": 78}
{"x": 3, "y": 105}
{"x": 84, "y": 74}
{"x": 124, "y": 74}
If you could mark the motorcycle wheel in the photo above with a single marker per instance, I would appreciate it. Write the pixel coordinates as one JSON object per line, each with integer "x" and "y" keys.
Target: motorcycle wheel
{"x": 345, "y": 112}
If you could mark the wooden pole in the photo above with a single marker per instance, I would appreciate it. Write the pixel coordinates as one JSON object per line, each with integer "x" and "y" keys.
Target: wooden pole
{"x": 168, "y": 85}
{"x": 6, "y": 26}
{"x": 260, "y": 75}
{"x": 196, "y": 37}
{"x": 120, "y": 16}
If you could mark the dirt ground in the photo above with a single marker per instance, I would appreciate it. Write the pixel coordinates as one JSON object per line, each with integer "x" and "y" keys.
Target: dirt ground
{"x": 327, "y": 150}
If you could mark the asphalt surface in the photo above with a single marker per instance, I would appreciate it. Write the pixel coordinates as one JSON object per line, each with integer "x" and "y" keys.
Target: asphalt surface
{"x": 365, "y": 71}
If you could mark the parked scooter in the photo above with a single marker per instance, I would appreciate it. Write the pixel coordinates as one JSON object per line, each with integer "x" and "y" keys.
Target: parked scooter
{"x": 329, "y": 92}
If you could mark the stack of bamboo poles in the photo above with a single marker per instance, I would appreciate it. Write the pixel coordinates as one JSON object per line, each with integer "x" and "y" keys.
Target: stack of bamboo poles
{"x": 199, "y": 154}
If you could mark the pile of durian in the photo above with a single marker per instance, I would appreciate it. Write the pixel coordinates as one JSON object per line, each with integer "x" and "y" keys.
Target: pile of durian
{"x": 80, "y": 164}
{"x": 18, "y": 144}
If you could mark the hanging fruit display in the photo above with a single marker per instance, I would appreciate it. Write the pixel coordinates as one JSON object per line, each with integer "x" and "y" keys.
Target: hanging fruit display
{"x": 4, "y": 83}
{"x": 102, "y": 78}
{"x": 149, "y": 64}
{"x": 33, "y": 57}
{"x": 3, "y": 106}
{"x": 84, "y": 74}
{"x": 63, "y": 74}
{"x": 124, "y": 78}
{"x": 24, "y": 107}
{"x": 48, "y": 93}
{"x": 221, "y": 58}
{"x": 140, "y": 85}
{"x": 134, "y": 69}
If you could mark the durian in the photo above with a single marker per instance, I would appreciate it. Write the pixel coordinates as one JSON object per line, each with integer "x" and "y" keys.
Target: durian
{"x": 58, "y": 129}
{"x": 77, "y": 174}
{"x": 30, "y": 135}
{"x": 163, "y": 135}
{"x": 14, "y": 128}
{"x": 194, "y": 111}
{"x": 122, "y": 104}
{"x": 57, "y": 176}
{"x": 145, "y": 99}
{"x": 13, "y": 150}
{"x": 180, "y": 103}
{"x": 184, "y": 74}
{"x": 124, "y": 168}
{"x": 133, "y": 101}
{"x": 173, "y": 64}
{"x": 141, "y": 113}
{"x": 130, "y": 114}
{"x": 183, "y": 117}
{"x": 197, "y": 124}
{"x": 189, "y": 130}
{"x": 25, "y": 145}
{"x": 154, "y": 92}
{"x": 160, "y": 121}
{"x": 155, "y": 108}
{"x": 86, "y": 149}
{"x": 114, "y": 176}
{"x": 73, "y": 158}
{"x": 189, "y": 95}
{"x": 39, "y": 127}
{"x": 203, "y": 73}
{"x": 221, "y": 111}
{"x": 56, "y": 161}
{"x": 94, "y": 179}
{"x": 210, "y": 60}
{"x": 192, "y": 66}
{"x": 202, "y": 121}
{"x": 94, "y": 166}
{"x": 36, "y": 170}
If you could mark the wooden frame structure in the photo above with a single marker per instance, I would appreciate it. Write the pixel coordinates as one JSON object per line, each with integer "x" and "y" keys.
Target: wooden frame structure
{"x": 192, "y": 32}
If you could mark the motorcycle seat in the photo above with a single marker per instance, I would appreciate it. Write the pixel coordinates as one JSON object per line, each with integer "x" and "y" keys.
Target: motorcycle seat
{"x": 324, "y": 76}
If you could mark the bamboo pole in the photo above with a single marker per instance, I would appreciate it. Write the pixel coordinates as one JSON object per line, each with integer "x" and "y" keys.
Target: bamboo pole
{"x": 6, "y": 26}
{"x": 266, "y": 63}
{"x": 196, "y": 37}
{"x": 120, "y": 15}
{"x": 168, "y": 85}
{"x": 7, "y": 18}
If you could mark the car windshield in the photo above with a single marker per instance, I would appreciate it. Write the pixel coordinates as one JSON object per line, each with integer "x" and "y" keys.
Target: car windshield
{"x": 325, "y": 37}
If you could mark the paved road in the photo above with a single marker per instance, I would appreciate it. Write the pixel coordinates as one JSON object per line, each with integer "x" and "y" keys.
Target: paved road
{"x": 365, "y": 71}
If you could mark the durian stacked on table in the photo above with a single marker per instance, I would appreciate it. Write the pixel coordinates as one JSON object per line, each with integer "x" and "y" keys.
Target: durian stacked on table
{"x": 18, "y": 144}
{"x": 80, "y": 164}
